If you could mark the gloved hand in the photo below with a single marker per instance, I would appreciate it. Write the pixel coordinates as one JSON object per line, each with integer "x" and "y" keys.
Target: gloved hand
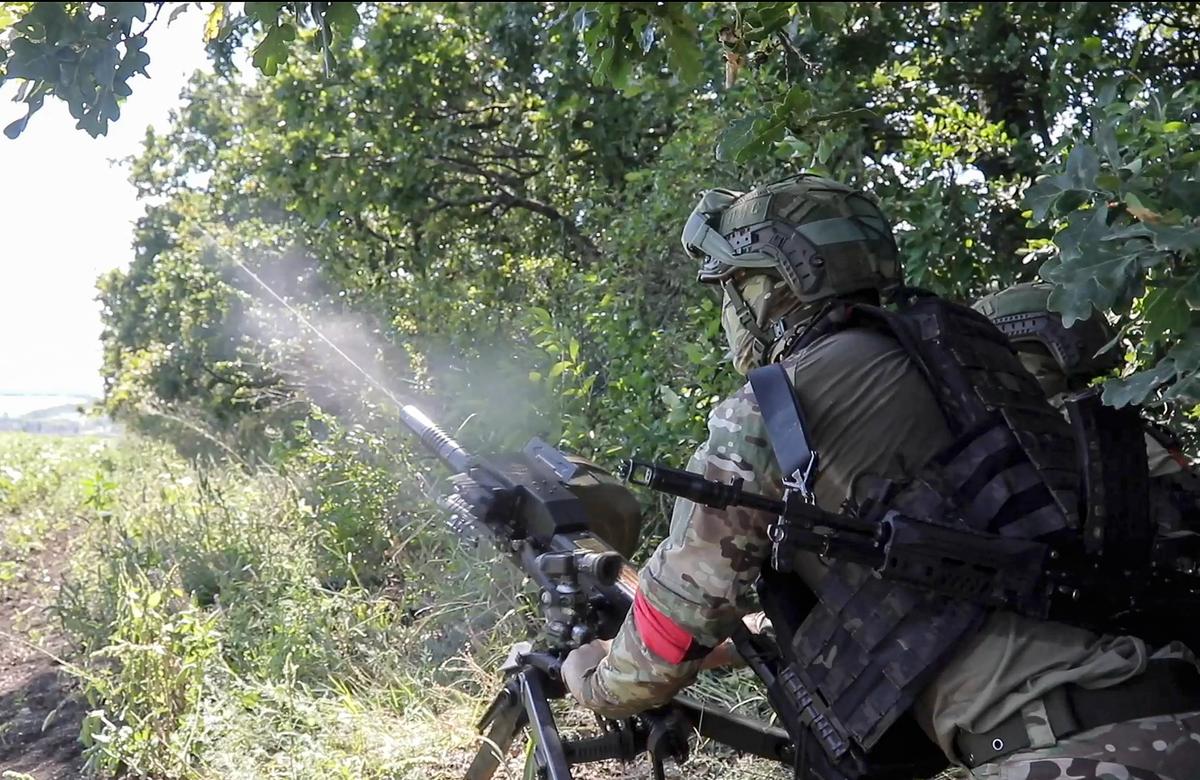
{"x": 722, "y": 656}
{"x": 580, "y": 663}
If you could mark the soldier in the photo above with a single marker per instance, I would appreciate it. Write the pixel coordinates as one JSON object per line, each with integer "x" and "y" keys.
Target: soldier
{"x": 1067, "y": 361}
{"x": 1007, "y": 696}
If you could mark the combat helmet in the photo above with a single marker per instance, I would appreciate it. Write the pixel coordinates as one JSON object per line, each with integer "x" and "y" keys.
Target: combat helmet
{"x": 820, "y": 238}
{"x": 1023, "y": 314}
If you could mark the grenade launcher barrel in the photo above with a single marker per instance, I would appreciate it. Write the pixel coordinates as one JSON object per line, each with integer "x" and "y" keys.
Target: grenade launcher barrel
{"x": 435, "y": 439}
{"x": 526, "y": 502}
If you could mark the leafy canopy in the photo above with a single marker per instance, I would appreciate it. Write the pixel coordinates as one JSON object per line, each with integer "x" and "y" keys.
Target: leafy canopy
{"x": 506, "y": 184}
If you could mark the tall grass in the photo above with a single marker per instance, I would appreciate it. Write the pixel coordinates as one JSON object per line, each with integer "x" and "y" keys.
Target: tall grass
{"x": 44, "y": 484}
{"x": 315, "y": 621}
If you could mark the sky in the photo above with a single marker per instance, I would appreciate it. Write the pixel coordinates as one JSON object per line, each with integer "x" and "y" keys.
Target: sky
{"x": 66, "y": 216}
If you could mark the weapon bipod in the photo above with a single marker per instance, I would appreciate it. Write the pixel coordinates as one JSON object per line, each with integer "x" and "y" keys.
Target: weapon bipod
{"x": 533, "y": 680}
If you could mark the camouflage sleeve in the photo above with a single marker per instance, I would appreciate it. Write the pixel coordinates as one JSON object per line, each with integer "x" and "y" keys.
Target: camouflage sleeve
{"x": 699, "y": 582}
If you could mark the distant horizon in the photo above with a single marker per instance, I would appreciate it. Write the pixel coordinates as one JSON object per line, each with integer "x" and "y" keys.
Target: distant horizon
{"x": 19, "y": 405}
{"x": 90, "y": 395}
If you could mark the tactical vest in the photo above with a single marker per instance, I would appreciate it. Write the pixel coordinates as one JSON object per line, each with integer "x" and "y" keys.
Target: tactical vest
{"x": 857, "y": 660}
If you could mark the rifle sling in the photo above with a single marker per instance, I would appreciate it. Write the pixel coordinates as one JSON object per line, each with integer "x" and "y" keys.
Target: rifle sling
{"x": 784, "y": 421}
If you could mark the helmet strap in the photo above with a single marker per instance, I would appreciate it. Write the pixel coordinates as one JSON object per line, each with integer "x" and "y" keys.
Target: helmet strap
{"x": 787, "y": 330}
{"x": 807, "y": 318}
{"x": 746, "y": 315}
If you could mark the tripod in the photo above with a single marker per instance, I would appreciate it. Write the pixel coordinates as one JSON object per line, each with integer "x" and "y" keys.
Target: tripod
{"x": 524, "y": 701}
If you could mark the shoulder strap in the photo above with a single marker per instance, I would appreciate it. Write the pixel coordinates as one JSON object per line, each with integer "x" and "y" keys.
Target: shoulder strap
{"x": 785, "y": 425}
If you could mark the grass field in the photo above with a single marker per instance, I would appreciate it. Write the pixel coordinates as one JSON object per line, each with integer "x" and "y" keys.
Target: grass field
{"x": 317, "y": 622}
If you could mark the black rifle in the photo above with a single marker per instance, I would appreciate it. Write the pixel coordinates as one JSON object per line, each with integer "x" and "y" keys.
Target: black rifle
{"x": 1045, "y": 579}
{"x": 531, "y": 506}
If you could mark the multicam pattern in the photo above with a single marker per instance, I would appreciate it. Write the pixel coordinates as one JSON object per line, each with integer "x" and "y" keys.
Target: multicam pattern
{"x": 702, "y": 575}
{"x": 1160, "y": 748}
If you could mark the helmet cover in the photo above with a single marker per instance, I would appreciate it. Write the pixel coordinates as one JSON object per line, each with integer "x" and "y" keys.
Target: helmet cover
{"x": 822, "y": 238}
{"x": 1023, "y": 314}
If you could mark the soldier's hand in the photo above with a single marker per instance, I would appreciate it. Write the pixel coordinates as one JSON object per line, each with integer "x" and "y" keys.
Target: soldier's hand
{"x": 580, "y": 663}
{"x": 725, "y": 655}
{"x": 722, "y": 655}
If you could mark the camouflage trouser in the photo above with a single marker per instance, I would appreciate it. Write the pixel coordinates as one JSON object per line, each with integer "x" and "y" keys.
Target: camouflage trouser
{"x": 1166, "y": 747}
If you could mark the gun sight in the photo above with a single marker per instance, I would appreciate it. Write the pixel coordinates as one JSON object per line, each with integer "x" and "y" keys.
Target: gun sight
{"x": 603, "y": 567}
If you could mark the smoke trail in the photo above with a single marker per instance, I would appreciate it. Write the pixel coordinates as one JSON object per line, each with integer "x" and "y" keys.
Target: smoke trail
{"x": 447, "y": 449}
{"x": 303, "y": 323}
{"x": 317, "y": 332}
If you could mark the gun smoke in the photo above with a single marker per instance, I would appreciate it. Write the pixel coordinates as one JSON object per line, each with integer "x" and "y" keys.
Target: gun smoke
{"x": 349, "y": 362}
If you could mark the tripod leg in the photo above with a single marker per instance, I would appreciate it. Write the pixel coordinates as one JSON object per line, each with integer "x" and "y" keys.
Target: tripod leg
{"x": 548, "y": 748}
{"x": 503, "y": 719}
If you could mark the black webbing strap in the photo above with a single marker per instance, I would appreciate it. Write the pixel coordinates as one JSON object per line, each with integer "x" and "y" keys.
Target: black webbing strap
{"x": 785, "y": 425}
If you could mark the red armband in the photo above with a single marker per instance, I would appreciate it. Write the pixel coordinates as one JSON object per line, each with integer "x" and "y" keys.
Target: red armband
{"x": 665, "y": 638}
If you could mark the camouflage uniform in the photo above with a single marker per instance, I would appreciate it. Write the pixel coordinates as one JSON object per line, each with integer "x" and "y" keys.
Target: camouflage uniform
{"x": 703, "y": 574}
{"x": 1157, "y": 748}
{"x": 701, "y": 577}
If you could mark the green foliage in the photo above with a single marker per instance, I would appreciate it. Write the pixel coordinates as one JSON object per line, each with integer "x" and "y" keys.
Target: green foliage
{"x": 86, "y": 53}
{"x": 217, "y": 636}
{"x": 952, "y": 112}
{"x": 220, "y": 638}
{"x": 491, "y": 222}
{"x": 620, "y": 34}
{"x": 505, "y": 229}
{"x": 480, "y": 224}
{"x": 86, "y": 60}
{"x": 955, "y": 115}
{"x": 41, "y": 485}
{"x": 150, "y": 676}
{"x": 1127, "y": 204}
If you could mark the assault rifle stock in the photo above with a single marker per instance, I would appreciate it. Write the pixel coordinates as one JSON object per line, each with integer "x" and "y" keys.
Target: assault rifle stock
{"x": 540, "y": 508}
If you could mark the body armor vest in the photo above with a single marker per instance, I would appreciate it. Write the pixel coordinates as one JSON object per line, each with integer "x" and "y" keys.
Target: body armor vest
{"x": 860, "y": 656}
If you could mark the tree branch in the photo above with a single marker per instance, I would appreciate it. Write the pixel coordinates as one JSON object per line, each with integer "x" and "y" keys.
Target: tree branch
{"x": 150, "y": 23}
{"x": 463, "y": 111}
{"x": 582, "y": 243}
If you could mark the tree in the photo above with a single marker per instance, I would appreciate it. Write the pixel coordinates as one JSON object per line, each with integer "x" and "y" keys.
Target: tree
{"x": 952, "y": 111}
{"x": 458, "y": 177}
{"x": 86, "y": 54}
{"x": 472, "y": 156}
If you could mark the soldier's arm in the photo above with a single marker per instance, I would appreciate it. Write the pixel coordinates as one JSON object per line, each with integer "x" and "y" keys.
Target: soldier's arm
{"x": 699, "y": 582}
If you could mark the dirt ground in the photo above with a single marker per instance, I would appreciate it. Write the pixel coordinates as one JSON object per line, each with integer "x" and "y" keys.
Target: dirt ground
{"x": 39, "y": 713}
